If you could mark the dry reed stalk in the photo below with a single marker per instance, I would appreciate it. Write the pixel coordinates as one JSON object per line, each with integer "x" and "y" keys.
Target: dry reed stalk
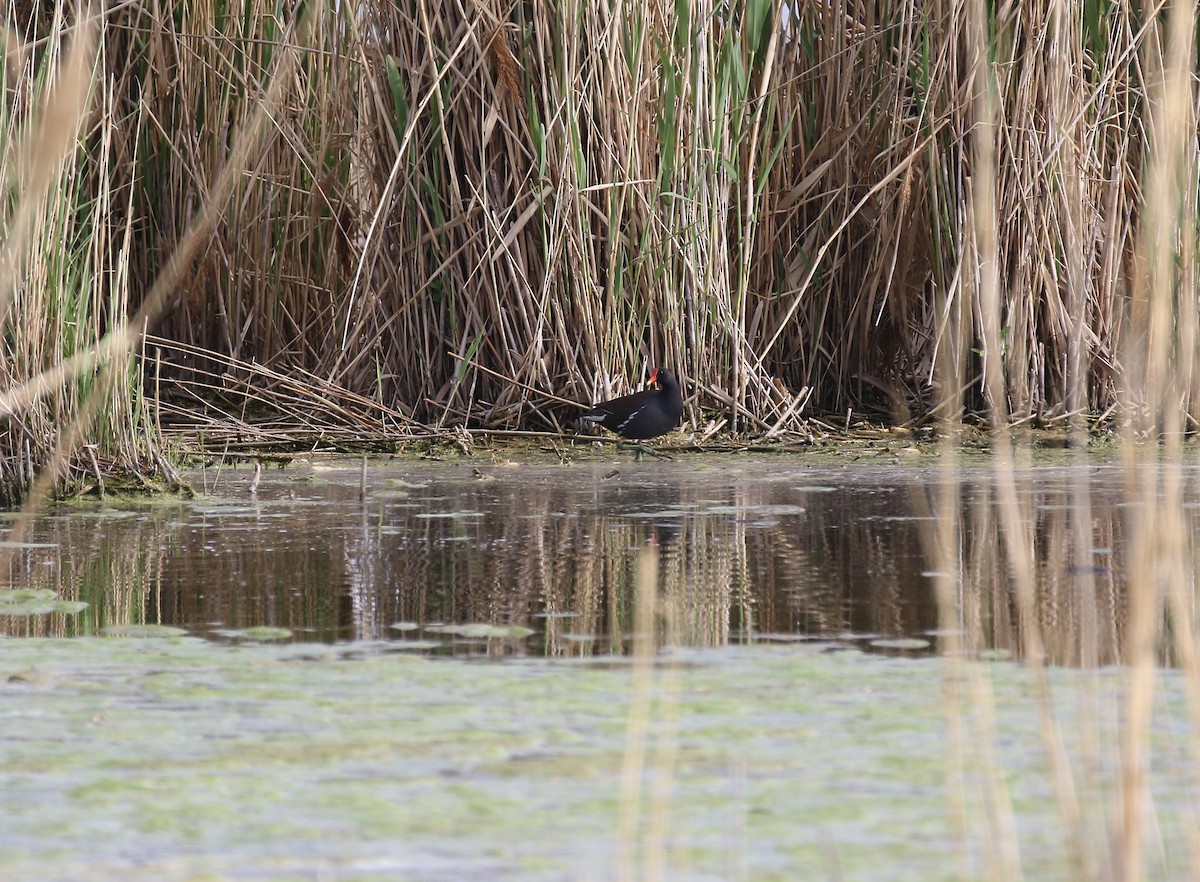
{"x": 657, "y": 835}
{"x": 982, "y": 271}
{"x": 1087, "y": 830}
{"x": 42, "y": 151}
{"x": 637, "y": 730}
{"x": 1143, "y": 586}
{"x": 942, "y": 545}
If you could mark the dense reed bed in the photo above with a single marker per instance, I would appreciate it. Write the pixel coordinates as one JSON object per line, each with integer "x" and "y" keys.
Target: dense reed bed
{"x": 396, "y": 218}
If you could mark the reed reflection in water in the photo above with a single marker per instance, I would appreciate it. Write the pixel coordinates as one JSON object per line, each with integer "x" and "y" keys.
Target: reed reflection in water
{"x": 749, "y": 549}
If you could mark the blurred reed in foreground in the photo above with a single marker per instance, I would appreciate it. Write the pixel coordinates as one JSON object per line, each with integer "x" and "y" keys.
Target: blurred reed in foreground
{"x": 1155, "y": 349}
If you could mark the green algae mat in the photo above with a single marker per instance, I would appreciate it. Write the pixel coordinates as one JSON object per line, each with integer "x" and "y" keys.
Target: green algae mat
{"x": 167, "y": 758}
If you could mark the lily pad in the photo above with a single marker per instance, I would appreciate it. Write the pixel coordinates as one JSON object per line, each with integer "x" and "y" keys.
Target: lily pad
{"x": 660, "y": 513}
{"x": 900, "y": 643}
{"x": 23, "y": 595}
{"x": 757, "y": 510}
{"x": 42, "y": 607}
{"x": 142, "y": 631}
{"x": 777, "y": 637}
{"x": 514, "y": 632}
{"x": 477, "y": 630}
{"x": 262, "y": 633}
{"x": 36, "y": 602}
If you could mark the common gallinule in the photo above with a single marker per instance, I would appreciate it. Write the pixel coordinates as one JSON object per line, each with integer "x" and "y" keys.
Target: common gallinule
{"x": 642, "y": 415}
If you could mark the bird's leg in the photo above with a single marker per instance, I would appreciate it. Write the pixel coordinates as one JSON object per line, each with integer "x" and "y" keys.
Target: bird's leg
{"x": 641, "y": 449}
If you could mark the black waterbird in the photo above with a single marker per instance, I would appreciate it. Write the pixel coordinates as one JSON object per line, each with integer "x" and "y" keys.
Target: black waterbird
{"x": 642, "y": 415}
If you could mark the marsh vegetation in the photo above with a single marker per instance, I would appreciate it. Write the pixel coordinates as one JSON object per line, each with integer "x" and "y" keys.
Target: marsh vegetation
{"x": 285, "y": 224}
{"x": 232, "y": 228}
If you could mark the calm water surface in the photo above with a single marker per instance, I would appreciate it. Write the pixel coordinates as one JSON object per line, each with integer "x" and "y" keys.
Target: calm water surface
{"x": 749, "y": 549}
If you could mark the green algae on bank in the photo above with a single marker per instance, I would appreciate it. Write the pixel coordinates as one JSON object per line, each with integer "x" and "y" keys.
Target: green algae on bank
{"x": 183, "y": 759}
